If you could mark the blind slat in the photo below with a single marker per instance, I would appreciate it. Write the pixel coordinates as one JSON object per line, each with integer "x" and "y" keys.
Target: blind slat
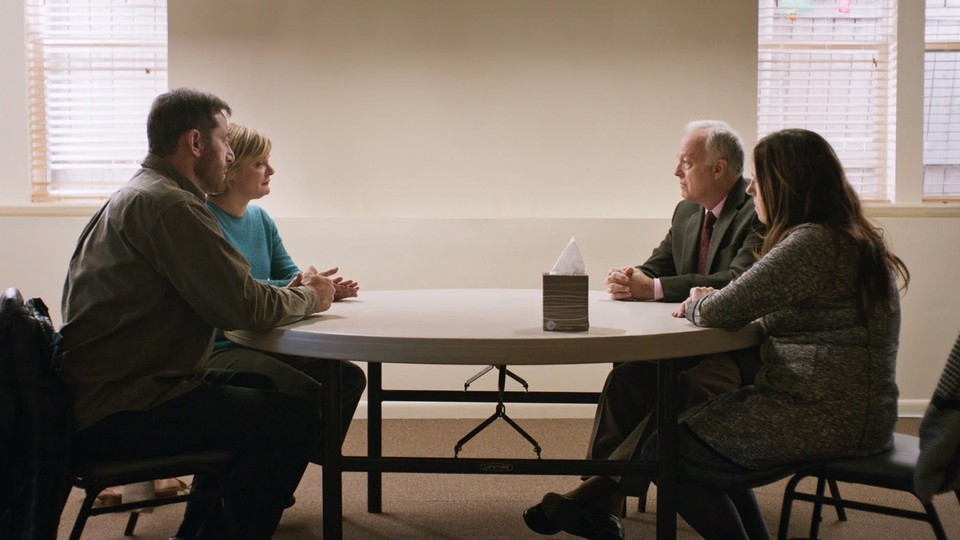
{"x": 941, "y": 102}
{"x": 831, "y": 67}
{"x": 93, "y": 69}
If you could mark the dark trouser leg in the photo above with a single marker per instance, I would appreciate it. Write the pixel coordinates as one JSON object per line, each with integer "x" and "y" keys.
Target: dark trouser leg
{"x": 624, "y": 418}
{"x": 712, "y": 376}
{"x": 629, "y": 395}
{"x": 722, "y": 514}
{"x": 750, "y": 515}
{"x": 296, "y": 375}
{"x": 700, "y": 379}
{"x": 706, "y": 507}
{"x": 272, "y": 433}
{"x": 711, "y": 494}
{"x": 352, "y": 382}
{"x": 710, "y": 512}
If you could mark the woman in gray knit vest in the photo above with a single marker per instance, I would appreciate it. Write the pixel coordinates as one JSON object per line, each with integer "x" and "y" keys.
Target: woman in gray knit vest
{"x": 825, "y": 291}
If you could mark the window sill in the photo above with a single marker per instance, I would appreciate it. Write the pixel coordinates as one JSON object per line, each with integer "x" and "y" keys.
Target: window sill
{"x": 926, "y": 210}
{"x": 48, "y": 210}
{"x": 873, "y": 210}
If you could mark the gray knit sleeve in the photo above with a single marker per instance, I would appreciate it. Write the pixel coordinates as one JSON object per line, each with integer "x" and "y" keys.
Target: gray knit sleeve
{"x": 791, "y": 272}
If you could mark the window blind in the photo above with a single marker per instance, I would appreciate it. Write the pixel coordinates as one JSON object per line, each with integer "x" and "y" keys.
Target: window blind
{"x": 941, "y": 101}
{"x": 93, "y": 69}
{"x": 830, "y": 66}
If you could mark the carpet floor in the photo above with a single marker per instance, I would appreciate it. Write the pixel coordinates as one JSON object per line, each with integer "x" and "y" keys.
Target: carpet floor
{"x": 436, "y": 506}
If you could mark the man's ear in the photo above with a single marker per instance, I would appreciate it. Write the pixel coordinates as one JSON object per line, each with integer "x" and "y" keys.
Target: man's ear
{"x": 720, "y": 168}
{"x": 193, "y": 141}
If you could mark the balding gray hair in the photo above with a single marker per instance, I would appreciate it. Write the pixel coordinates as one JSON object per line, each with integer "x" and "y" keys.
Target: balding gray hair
{"x": 720, "y": 141}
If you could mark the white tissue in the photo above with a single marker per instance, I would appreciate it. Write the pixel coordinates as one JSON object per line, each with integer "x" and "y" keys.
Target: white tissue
{"x": 570, "y": 261}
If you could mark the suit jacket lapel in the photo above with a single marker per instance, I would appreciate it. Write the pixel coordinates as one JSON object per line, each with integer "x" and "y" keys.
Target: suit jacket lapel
{"x": 691, "y": 243}
{"x": 731, "y": 208}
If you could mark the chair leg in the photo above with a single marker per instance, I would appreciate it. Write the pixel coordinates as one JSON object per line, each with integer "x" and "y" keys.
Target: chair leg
{"x": 788, "y": 493}
{"x": 196, "y": 512}
{"x": 83, "y": 514}
{"x": 817, "y": 516}
{"x": 131, "y": 523}
{"x": 835, "y": 491}
{"x": 229, "y": 512}
{"x": 933, "y": 518}
{"x": 642, "y": 502}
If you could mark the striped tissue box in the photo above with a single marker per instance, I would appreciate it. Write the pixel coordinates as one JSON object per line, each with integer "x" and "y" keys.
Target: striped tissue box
{"x": 565, "y": 303}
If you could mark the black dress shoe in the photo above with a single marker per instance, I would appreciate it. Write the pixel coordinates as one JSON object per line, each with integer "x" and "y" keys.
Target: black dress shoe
{"x": 538, "y": 521}
{"x": 581, "y": 519}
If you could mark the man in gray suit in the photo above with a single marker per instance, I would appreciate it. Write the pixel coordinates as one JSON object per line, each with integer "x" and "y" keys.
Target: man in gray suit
{"x": 710, "y": 166}
{"x": 712, "y": 240}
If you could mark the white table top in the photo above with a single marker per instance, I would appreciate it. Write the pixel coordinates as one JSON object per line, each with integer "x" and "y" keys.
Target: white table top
{"x": 490, "y": 326}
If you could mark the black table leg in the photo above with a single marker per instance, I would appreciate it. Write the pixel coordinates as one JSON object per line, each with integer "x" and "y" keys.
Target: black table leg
{"x": 332, "y": 456}
{"x": 374, "y": 435}
{"x": 667, "y": 450}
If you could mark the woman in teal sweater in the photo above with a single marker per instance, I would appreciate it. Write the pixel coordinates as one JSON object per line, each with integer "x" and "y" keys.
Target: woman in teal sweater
{"x": 251, "y": 230}
{"x": 255, "y": 235}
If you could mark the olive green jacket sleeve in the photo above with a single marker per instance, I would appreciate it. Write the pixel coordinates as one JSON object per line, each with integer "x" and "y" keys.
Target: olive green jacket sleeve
{"x": 149, "y": 280}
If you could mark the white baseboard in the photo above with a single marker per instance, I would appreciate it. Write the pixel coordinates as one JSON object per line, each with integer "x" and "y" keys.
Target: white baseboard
{"x": 912, "y": 408}
{"x": 908, "y": 408}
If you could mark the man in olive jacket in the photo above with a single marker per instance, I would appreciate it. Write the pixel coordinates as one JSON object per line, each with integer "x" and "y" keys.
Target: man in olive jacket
{"x": 151, "y": 277}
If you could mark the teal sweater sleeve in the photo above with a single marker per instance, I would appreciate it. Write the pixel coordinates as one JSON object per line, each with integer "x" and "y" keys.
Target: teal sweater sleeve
{"x": 255, "y": 235}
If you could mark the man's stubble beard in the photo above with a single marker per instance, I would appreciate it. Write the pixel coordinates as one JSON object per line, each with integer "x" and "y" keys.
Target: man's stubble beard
{"x": 210, "y": 173}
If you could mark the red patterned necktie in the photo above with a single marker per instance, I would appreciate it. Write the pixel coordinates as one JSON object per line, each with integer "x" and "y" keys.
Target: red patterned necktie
{"x": 705, "y": 233}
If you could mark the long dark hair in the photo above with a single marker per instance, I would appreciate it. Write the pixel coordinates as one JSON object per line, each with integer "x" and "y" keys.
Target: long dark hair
{"x": 801, "y": 181}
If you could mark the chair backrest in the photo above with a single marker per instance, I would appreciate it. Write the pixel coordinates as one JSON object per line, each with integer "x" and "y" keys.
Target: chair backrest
{"x": 938, "y": 467}
{"x": 36, "y": 429}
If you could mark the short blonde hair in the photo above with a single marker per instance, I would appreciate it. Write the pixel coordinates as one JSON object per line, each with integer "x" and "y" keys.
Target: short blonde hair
{"x": 246, "y": 143}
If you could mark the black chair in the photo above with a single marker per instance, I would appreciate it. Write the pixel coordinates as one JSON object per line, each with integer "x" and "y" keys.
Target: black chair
{"x": 641, "y": 495}
{"x": 35, "y": 432}
{"x": 922, "y": 466}
{"x": 93, "y": 478}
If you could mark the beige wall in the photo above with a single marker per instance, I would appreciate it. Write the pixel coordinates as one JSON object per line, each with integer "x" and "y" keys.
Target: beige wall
{"x": 499, "y": 108}
{"x": 392, "y": 253}
{"x": 460, "y": 144}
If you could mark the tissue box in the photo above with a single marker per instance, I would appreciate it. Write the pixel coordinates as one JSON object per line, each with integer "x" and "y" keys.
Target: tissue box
{"x": 565, "y": 303}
